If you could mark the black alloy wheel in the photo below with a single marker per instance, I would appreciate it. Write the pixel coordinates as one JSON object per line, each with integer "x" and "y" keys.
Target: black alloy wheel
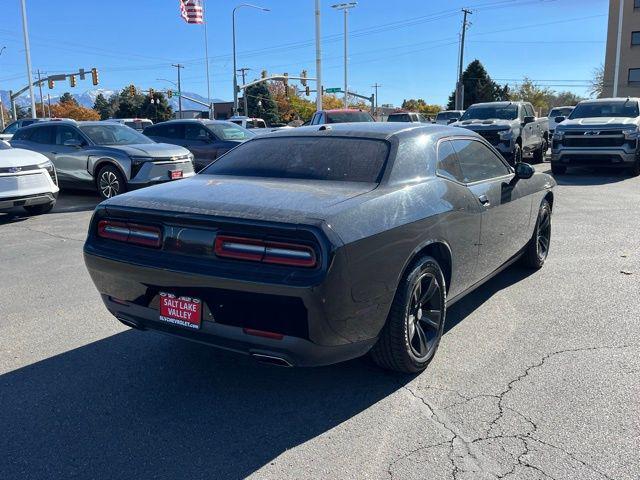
{"x": 410, "y": 337}
{"x": 517, "y": 154}
{"x": 537, "y": 249}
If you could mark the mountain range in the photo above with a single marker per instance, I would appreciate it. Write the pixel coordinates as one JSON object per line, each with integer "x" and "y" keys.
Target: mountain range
{"x": 88, "y": 98}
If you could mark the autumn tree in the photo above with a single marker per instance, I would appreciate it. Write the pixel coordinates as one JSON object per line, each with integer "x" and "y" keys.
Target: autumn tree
{"x": 74, "y": 111}
{"x": 420, "y": 106}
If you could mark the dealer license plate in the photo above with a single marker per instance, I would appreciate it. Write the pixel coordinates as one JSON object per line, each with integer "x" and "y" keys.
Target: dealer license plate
{"x": 175, "y": 174}
{"x": 181, "y": 311}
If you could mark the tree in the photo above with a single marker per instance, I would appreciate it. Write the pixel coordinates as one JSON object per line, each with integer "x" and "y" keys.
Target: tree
{"x": 479, "y": 87}
{"x": 159, "y": 111}
{"x": 261, "y": 103}
{"x": 103, "y": 107}
{"x": 530, "y": 92}
{"x": 74, "y": 111}
{"x": 331, "y": 102}
{"x": 564, "y": 98}
{"x": 68, "y": 98}
{"x": 420, "y": 106}
{"x": 128, "y": 105}
{"x": 596, "y": 88}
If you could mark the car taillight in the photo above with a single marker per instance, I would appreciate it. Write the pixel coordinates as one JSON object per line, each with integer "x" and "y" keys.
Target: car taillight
{"x": 144, "y": 235}
{"x": 265, "y": 251}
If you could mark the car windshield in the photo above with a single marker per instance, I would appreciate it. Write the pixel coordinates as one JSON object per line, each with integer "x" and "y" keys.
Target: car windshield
{"x": 605, "y": 109}
{"x": 306, "y": 158}
{"x": 346, "y": 117}
{"x": 447, "y": 115}
{"x": 139, "y": 125}
{"x": 230, "y": 131}
{"x": 115, "y": 134}
{"x": 399, "y": 117}
{"x": 560, "y": 112}
{"x": 486, "y": 112}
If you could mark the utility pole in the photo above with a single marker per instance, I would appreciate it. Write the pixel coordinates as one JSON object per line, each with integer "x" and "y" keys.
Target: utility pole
{"x": 243, "y": 72}
{"x": 27, "y": 51}
{"x": 49, "y": 103}
{"x": 345, "y": 7}
{"x": 376, "y": 86}
{"x": 44, "y": 113}
{"x": 459, "y": 85}
{"x": 179, "y": 66}
{"x": 318, "y": 60}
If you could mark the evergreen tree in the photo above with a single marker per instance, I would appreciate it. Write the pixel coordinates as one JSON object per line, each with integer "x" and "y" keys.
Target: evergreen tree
{"x": 67, "y": 98}
{"x": 261, "y": 103}
{"x": 129, "y": 106}
{"x": 479, "y": 87}
{"x": 158, "y": 112}
{"x": 103, "y": 107}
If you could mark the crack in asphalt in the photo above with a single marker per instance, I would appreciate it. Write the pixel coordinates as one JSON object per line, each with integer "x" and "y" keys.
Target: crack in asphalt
{"x": 61, "y": 237}
{"x": 528, "y": 440}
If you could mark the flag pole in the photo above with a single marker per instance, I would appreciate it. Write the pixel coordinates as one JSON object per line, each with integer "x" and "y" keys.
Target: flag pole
{"x": 206, "y": 55}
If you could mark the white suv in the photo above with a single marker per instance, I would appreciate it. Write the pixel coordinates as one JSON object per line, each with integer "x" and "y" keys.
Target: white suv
{"x": 27, "y": 179}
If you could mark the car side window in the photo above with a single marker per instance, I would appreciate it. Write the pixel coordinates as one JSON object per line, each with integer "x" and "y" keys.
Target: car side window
{"x": 44, "y": 135}
{"x": 22, "y": 134}
{"x": 448, "y": 165}
{"x": 64, "y": 133}
{"x": 168, "y": 131}
{"x": 195, "y": 132}
{"x": 529, "y": 110}
{"x": 11, "y": 128}
{"x": 478, "y": 162}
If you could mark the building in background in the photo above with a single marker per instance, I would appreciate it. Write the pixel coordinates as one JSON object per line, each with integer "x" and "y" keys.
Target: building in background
{"x": 623, "y": 50}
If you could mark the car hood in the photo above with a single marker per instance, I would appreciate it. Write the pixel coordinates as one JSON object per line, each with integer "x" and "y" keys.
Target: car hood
{"x": 153, "y": 150}
{"x": 18, "y": 157}
{"x": 609, "y": 122}
{"x": 481, "y": 124}
{"x": 289, "y": 201}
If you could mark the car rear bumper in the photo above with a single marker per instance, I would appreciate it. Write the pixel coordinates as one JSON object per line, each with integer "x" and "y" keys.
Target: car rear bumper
{"x": 582, "y": 157}
{"x": 237, "y": 315}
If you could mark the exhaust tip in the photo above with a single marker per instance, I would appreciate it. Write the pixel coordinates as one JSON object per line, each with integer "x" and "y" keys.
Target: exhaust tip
{"x": 271, "y": 360}
{"x": 130, "y": 323}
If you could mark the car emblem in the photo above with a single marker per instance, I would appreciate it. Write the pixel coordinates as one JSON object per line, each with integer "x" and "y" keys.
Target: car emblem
{"x": 592, "y": 132}
{"x": 14, "y": 169}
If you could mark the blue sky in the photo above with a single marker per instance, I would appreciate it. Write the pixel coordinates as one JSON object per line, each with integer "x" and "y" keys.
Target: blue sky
{"x": 408, "y": 46}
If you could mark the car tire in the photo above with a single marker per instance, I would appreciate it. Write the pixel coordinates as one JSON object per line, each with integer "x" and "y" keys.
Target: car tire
{"x": 410, "y": 337}
{"x": 40, "y": 209}
{"x": 635, "y": 170}
{"x": 538, "y": 155}
{"x": 517, "y": 154}
{"x": 110, "y": 182}
{"x": 537, "y": 249}
{"x": 558, "y": 169}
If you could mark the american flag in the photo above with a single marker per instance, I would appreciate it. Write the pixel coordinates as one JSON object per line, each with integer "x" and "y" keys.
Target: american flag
{"x": 191, "y": 11}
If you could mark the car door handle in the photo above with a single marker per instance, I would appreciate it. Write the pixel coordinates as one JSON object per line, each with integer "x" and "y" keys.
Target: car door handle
{"x": 484, "y": 200}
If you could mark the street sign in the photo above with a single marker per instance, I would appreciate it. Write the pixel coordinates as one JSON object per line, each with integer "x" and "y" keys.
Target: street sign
{"x": 81, "y": 73}
{"x": 333, "y": 90}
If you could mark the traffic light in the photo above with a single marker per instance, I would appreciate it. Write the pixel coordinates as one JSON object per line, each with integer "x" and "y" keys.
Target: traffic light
{"x": 51, "y": 83}
{"x": 264, "y": 74}
{"x": 307, "y": 90}
{"x": 72, "y": 80}
{"x": 304, "y": 78}
{"x": 94, "y": 76}
{"x": 169, "y": 93}
{"x": 151, "y": 92}
{"x": 132, "y": 90}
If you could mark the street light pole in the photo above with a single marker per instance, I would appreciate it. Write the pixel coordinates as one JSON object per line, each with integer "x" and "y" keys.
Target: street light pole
{"x": 179, "y": 66}
{"x": 235, "y": 67}
{"x": 27, "y": 51}
{"x": 318, "y": 60}
{"x": 345, "y": 7}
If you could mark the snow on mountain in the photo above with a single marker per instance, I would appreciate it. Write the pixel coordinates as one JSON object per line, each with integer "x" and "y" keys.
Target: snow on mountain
{"x": 88, "y": 98}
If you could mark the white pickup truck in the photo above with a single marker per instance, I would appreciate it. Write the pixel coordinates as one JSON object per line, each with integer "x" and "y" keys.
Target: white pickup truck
{"x": 256, "y": 125}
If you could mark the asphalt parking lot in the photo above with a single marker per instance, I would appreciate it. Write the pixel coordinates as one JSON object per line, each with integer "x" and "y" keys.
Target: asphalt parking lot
{"x": 537, "y": 376}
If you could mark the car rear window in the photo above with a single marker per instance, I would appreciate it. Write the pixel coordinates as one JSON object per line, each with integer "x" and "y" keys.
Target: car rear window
{"x": 306, "y": 158}
{"x": 399, "y": 117}
{"x": 346, "y": 117}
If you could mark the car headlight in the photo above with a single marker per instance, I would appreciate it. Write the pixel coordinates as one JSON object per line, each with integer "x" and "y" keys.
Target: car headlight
{"x": 136, "y": 164}
{"x": 631, "y": 133}
{"x": 505, "y": 134}
{"x": 51, "y": 170}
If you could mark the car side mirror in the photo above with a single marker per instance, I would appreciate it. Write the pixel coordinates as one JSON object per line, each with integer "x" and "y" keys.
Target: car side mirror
{"x": 559, "y": 119}
{"x": 73, "y": 142}
{"x": 523, "y": 171}
{"x": 527, "y": 120}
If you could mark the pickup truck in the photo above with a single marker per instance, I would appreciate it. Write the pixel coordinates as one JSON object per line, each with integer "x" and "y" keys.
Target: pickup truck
{"x": 256, "y": 125}
{"x": 598, "y": 133}
{"x": 511, "y": 127}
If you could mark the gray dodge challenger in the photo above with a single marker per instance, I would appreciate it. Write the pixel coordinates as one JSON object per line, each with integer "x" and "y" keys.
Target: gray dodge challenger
{"x": 319, "y": 244}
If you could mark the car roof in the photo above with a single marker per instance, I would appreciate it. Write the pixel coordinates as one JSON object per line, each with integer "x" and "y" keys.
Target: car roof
{"x": 374, "y": 130}
{"x": 611, "y": 99}
{"x": 344, "y": 110}
{"x": 499, "y": 104}
{"x": 195, "y": 120}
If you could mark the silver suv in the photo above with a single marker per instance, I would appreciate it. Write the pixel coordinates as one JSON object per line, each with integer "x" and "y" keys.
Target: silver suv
{"x": 108, "y": 156}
